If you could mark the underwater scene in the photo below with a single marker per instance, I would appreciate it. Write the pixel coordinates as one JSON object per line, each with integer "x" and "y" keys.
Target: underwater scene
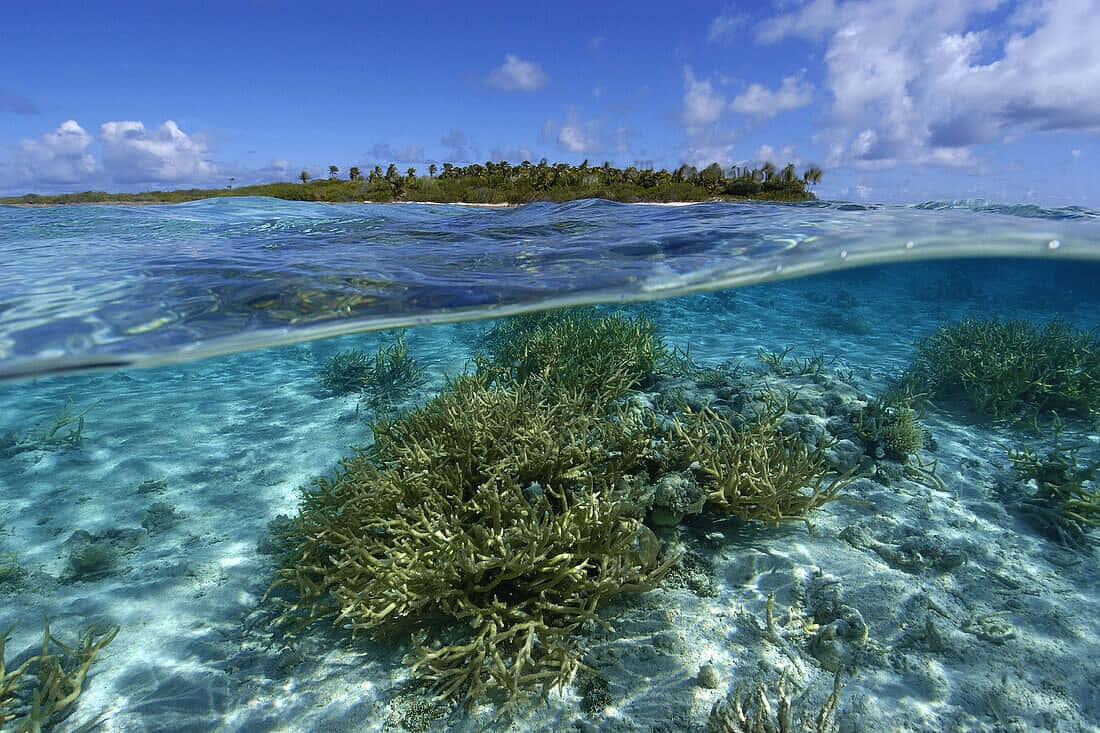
{"x": 279, "y": 466}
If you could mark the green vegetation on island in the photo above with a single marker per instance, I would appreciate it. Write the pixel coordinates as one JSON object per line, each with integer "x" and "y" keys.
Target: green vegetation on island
{"x": 496, "y": 183}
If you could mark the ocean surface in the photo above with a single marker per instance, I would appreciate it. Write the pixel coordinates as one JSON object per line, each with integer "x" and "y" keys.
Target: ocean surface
{"x": 167, "y": 392}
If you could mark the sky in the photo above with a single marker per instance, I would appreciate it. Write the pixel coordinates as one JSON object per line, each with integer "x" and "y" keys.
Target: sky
{"x": 898, "y": 101}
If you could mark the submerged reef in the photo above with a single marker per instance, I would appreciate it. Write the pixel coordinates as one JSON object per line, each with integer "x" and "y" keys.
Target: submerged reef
{"x": 59, "y": 679}
{"x": 770, "y": 707}
{"x": 1009, "y": 370}
{"x": 497, "y": 507}
{"x": 1065, "y": 503}
{"x": 11, "y": 573}
{"x": 890, "y": 427}
{"x": 495, "y": 520}
{"x": 755, "y": 472}
{"x": 600, "y": 357}
{"x": 383, "y": 379}
{"x": 66, "y": 431}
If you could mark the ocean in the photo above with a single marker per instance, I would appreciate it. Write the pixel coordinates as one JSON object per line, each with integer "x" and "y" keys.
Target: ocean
{"x": 584, "y": 536}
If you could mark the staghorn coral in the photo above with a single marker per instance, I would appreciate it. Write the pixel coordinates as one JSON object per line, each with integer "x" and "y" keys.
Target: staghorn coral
{"x": 770, "y": 708}
{"x": 67, "y": 431}
{"x": 599, "y": 357}
{"x": 384, "y": 379}
{"x": 1066, "y": 502}
{"x": 346, "y": 372}
{"x": 1009, "y": 370}
{"x": 890, "y": 427}
{"x": 776, "y": 362}
{"x": 509, "y": 329}
{"x": 499, "y": 509}
{"x": 492, "y": 509}
{"x": 754, "y": 471}
{"x": 60, "y": 677}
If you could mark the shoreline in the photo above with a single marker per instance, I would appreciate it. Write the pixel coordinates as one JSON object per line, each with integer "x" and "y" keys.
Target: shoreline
{"x": 476, "y": 205}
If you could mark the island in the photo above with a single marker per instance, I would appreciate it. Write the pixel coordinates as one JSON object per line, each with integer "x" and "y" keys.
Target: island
{"x": 495, "y": 183}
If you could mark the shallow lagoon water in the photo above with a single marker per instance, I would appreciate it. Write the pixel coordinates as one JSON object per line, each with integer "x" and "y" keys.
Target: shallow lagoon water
{"x": 183, "y": 464}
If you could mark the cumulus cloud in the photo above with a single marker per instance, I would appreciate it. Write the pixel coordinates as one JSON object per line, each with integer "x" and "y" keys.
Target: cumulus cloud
{"x": 701, "y": 105}
{"x": 278, "y": 169}
{"x": 725, "y": 27}
{"x": 60, "y": 156}
{"x": 412, "y": 153}
{"x": 512, "y": 155}
{"x": 701, "y": 109}
{"x": 517, "y": 75}
{"x": 460, "y": 147}
{"x": 701, "y": 153}
{"x": 585, "y": 136}
{"x": 785, "y": 154}
{"x": 578, "y": 139}
{"x": 759, "y": 102}
{"x": 133, "y": 153}
{"x": 914, "y": 81}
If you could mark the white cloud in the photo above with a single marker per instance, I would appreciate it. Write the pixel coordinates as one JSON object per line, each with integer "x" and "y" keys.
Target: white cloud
{"x": 585, "y": 136}
{"x": 786, "y": 154}
{"x": 134, "y": 154}
{"x": 575, "y": 139}
{"x": 460, "y": 147}
{"x": 517, "y": 75}
{"x": 512, "y": 155}
{"x": 386, "y": 153}
{"x": 725, "y": 27}
{"x": 60, "y": 156}
{"x": 278, "y": 169}
{"x": 913, "y": 81}
{"x": 702, "y": 153}
{"x": 701, "y": 106}
{"x": 761, "y": 103}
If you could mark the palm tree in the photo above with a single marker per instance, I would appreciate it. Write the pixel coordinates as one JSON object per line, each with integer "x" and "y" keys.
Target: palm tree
{"x": 431, "y": 170}
{"x": 332, "y": 171}
{"x": 812, "y": 175}
{"x": 354, "y": 174}
{"x": 768, "y": 170}
{"x": 711, "y": 177}
{"x": 411, "y": 173}
{"x": 304, "y": 175}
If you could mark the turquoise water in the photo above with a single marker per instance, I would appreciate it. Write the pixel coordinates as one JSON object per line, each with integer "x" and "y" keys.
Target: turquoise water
{"x": 162, "y": 403}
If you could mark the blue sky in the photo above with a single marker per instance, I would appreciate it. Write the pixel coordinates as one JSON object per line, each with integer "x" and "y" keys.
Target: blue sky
{"x": 897, "y": 101}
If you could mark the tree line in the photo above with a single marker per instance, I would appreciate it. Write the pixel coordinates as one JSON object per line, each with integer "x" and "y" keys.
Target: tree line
{"x": 503, "y": 182}
{"x": 499, "y": 183}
